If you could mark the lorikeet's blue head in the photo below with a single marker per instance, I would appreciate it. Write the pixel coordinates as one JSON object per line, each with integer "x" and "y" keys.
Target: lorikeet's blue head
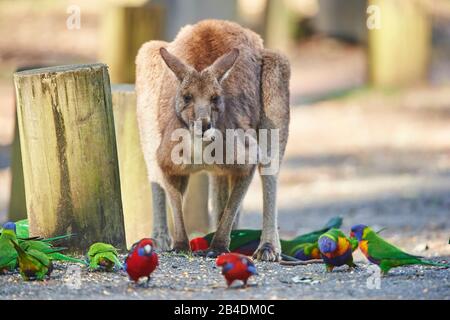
{"x": 327, "y": 245}
{"x": 358, "y": 231}
{"x": 10, "y": 226}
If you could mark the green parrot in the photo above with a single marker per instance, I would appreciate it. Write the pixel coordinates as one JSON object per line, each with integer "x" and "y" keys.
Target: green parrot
{"x": 22, "y": 229}
{"x": 382, "y": 253}
{"x": 8, "y": 255}
{"x": 103, "y": 256}
{"x": 246, "y": 241}
{"x": 33, "y": 264}
{"x": 46, "y": 247}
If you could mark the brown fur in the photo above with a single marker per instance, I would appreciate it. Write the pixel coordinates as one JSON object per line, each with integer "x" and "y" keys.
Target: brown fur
{"x": 207, "y": 60}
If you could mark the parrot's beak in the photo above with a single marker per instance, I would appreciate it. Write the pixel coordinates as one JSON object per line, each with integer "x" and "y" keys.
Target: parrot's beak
{"x": 148, "y": 250}
{"x": 352, "y": 234}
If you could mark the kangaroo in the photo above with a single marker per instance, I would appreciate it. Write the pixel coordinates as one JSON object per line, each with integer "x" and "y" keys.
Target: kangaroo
{"x": 215, "y": 76}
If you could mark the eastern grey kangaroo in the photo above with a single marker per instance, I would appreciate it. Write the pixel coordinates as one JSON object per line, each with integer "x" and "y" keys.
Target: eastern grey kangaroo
{"x": 219, "y": 75}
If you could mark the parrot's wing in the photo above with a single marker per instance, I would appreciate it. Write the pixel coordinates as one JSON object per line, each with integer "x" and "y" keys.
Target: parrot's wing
{"x": 379, "y": 249}
{"x": 242, "y": 237}
{"x": 39, "y": 256}
{"x": 7, "y": 255}
{"x": 99, "y": 247}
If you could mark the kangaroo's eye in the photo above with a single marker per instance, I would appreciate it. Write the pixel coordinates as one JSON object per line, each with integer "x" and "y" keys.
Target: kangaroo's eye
{"x": 215, "y": 99}
{"x": 187, "y": 98}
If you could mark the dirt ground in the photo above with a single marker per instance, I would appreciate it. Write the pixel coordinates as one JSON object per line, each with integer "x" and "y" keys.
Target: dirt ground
{"x": 380, "y": 158}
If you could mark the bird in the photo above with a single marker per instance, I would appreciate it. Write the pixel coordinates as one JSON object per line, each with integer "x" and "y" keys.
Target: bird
{"x": 384, "y": 254}
{"x": 37, "y": 243}
{"x": 103, "y": 256}
{"x": 8, "y": 255}
{"x": 22, "y": 229}
{"x": 246, "y": 241}
{"x": 336, "y": 249}
{"x": 33, "y": 264}
{"x": 142, "y": 260}
{"x": 236, "y": 266}
{"x": 306, "y": 251}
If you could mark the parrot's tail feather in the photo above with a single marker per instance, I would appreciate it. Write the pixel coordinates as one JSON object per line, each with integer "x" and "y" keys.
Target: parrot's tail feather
{"x": 334, "y": 222}
{"x": 62, "y": 257}
{"x": 66, "y": 236}
{"x": 300, "y": 262}
{"x": 435, "y": 264}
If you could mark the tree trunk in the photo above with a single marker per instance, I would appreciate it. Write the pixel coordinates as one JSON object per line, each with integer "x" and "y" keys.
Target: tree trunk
{"x": 69, "y": 154}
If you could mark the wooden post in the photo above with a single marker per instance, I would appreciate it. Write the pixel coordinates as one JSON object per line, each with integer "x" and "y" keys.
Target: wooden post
{"x": 69, "y": 154}
{"x": 399, "y": 50}
{"x": 17, "y": 204}
{"x": 279, "y": 25}
{"x": 195, "y": 205}
{"x": 124, "y": 28}
{"x": 136, "y": 191}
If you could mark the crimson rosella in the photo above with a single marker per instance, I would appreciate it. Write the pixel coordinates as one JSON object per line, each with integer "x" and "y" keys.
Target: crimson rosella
{"x": 236, "y": 267}
{"x": 141, "y": 260}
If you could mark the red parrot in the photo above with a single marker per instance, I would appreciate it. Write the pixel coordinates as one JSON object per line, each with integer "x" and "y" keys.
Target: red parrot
{"x": 236, "y": 266}
{"x": 141, "y": 260}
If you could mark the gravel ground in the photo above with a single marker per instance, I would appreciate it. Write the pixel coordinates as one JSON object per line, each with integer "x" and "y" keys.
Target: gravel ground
{"x": 181, "y": 277}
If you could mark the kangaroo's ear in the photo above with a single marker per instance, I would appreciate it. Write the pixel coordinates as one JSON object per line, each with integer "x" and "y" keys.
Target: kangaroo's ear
{"x": 176, "y": 65}
{"x": 222, "y": 65}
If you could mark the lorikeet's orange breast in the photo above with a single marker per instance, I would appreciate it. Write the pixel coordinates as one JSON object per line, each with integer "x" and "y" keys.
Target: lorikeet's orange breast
{"x": 363, "y": 245}
{"x": 343, "y": 245}
{"x": 315, "y": 253}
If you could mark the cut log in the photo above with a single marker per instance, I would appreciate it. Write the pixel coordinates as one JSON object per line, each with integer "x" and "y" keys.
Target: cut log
{"x": 69, "y": 154}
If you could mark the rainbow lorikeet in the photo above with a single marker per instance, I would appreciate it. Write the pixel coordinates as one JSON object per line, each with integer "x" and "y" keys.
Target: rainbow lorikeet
{"x": 33, "y": 264}
{"x": 22, "y": 229}
{"x": 336, "y": 249}
{"x": 103, "y": 256}
{"x": 306, "y": 251}
{"x": 382, "y": 253}
{"x": 8, "y": 255}
{"x": 36, "y": 243}
{"x": 236, "y": 266}
{"x": 142, "y": 260}
{"x": 246, "y": 241}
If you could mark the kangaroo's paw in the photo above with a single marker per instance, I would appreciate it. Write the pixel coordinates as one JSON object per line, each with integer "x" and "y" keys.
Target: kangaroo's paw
{"x": 163, "y": 241}
{"x": 267, "y": 252}
{"x": 211, "y": 252}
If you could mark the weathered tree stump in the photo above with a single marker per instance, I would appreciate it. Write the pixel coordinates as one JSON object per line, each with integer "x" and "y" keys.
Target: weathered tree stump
{"x": 124, "y": 28}
{"x": 17, "y": 206}
{"x": 136, "y": 191}
{"x": 399, "y": 50}
{"x": 69, "y": 154}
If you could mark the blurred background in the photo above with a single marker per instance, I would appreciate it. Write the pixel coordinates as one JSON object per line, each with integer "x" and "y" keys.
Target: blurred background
{"x": 370, "y": 97}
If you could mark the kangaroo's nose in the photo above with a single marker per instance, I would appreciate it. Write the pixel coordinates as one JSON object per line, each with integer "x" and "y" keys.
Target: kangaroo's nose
{"x": 206, "y": 123}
